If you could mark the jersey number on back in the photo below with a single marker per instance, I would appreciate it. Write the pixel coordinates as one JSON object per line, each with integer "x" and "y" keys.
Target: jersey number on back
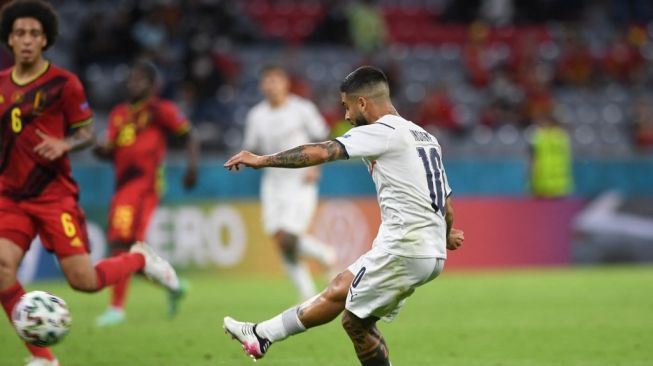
{"x": 434, "y": 176}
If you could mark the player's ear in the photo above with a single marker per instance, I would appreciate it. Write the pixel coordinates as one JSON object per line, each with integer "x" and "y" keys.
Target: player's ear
{"x": 362, "y": 102}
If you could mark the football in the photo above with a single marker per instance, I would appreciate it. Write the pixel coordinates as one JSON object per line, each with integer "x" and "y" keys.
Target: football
{"x": 41, "y": 318}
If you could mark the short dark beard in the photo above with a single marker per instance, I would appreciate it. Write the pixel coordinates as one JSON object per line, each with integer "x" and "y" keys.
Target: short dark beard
{"x": 360, "y": 121}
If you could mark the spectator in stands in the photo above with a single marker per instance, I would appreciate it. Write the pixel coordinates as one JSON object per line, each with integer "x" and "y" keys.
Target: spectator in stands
{"x": 523, "y": 57}
{"x": 206, "y": 79}
{"x": 506, "y": 99}
{"x": 497, "y": 12}
{"x": 105, "y": 38}
{"x": 539, "y": 102}
{"x": 476, "y": 55}
{"x": 550, "y": 168}
{"x": 334, "y": 27}
{"x": 623, "y": 60}
{"x": 643, "y": 124}
{"x": 367, "y": 26}
{"x": 576, "y": 64}
{"x": 437, "y": 112}
{"x": 150, "y": 30}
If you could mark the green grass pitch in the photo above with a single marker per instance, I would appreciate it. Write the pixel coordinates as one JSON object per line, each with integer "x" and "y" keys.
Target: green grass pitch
{"x": 580, "y": 317}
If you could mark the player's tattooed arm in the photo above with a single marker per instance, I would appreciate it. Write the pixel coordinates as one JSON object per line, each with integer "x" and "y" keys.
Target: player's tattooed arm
{"x": 82, "y": 137}
{"x": 53, "y": 148}
{"x": 298, "y": 157}
{"x": 307, "y": 155}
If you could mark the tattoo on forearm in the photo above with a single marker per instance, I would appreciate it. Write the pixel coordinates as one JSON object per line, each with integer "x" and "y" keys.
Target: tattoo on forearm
{"x": 335, "y": 150}
{"x": 82, "y": 138}
{"x": 307, "y": 155}
{"x": 293, "y": 158}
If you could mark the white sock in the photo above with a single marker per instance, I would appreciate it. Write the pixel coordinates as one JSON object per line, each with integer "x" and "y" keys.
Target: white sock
{"x": 301, "y": 278}
{"x": 312, "y": 247}
{"x": 281, "y": 326}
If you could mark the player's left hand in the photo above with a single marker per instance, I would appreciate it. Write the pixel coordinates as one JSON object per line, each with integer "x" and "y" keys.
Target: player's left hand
{"x": 245, "y": 158}
{"x": 455, "y": 239}
{"x": 51, "y": 148}
{"x": 190, "y": 178}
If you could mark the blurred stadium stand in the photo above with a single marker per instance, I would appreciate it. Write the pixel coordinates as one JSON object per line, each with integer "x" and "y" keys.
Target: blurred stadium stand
{"x": 499, "y": 64}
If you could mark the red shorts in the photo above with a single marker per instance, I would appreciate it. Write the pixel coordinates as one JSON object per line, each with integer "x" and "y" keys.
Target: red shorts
{"x": 61, "y": 224}
{"x": 130, "y": 214}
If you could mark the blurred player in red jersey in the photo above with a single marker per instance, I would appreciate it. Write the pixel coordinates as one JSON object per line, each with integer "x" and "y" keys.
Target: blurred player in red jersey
{"x": 44, "y": 115}
{"x": 136, "y": 143}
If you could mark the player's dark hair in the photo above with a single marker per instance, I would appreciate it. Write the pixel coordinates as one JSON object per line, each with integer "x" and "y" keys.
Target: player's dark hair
{"x": 37, "y": 9}
{"x": 274, "y": 68}
{"x": 148, "y": 69}
{"x": 362, "y": 77}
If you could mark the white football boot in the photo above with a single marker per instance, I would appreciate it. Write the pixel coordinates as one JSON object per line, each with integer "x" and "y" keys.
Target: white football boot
{"x": 156, "y": 268}
{"x": 245, "y": 333}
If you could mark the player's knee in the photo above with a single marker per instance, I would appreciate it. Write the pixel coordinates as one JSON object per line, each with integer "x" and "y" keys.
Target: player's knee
{"x": 7, "y": 271}
{"x": 337, "y": 289}
{"x": 288, "y": 245}
{"x": 81, "y": 281}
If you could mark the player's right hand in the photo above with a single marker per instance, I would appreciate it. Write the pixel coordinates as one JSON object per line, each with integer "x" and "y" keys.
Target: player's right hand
{"x": 245, "y": 158}
{"x": 455, "y": 239}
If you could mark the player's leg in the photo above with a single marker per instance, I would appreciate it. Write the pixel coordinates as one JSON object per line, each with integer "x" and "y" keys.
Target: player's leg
{"x": 129, "y": 216}
{"x": 121, "y": 236}
{"x": 11, "y": 290}
{"x": 279, "y": 221}
{"x": 298, "y": 272}
{"x": 62, "y": 228}
{"x": 312, "y": 247}
{"x": 379, "y": 289}
{"x": 115, "y": 312}
{"x": 17, "y": 230}
{"x": 303, "y": 207}
{"x": 321, "y": 309}
{"x": 85, "y": 277}
{"x": 369, "y": 344}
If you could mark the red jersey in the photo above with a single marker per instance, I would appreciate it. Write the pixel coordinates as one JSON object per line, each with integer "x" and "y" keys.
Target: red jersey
{"x": 53, "y": 102}
{"x": 138, "y": 134}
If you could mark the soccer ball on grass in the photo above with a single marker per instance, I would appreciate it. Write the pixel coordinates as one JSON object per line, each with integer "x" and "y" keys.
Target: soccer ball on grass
{"x": 41, "y": 318}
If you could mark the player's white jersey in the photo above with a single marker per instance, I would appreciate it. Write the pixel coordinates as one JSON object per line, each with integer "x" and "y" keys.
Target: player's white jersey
{"x": 405, "y": 162}
{"x": 269, "y": 130}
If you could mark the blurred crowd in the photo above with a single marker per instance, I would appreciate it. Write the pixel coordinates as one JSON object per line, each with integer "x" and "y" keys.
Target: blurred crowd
{"x": 495, "y": 63}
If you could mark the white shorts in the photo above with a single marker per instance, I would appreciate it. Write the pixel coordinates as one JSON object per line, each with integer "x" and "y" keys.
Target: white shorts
{"x": 288, "y": 207}
{"x": 383, "y": 281}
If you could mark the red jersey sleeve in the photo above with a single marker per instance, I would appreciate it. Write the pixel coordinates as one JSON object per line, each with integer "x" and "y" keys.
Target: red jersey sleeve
{"x": 172, "y": 120}
{"x": 75, "y": 106}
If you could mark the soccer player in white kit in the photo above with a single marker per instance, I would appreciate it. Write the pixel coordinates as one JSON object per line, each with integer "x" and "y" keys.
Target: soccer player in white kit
{"x": 288, "y": 197}
{"x": 413, "y": 192}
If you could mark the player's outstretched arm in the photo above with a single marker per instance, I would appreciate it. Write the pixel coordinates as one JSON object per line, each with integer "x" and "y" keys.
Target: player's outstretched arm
{"x": 53, "y": 148}
{"x": 297, "y": 157}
